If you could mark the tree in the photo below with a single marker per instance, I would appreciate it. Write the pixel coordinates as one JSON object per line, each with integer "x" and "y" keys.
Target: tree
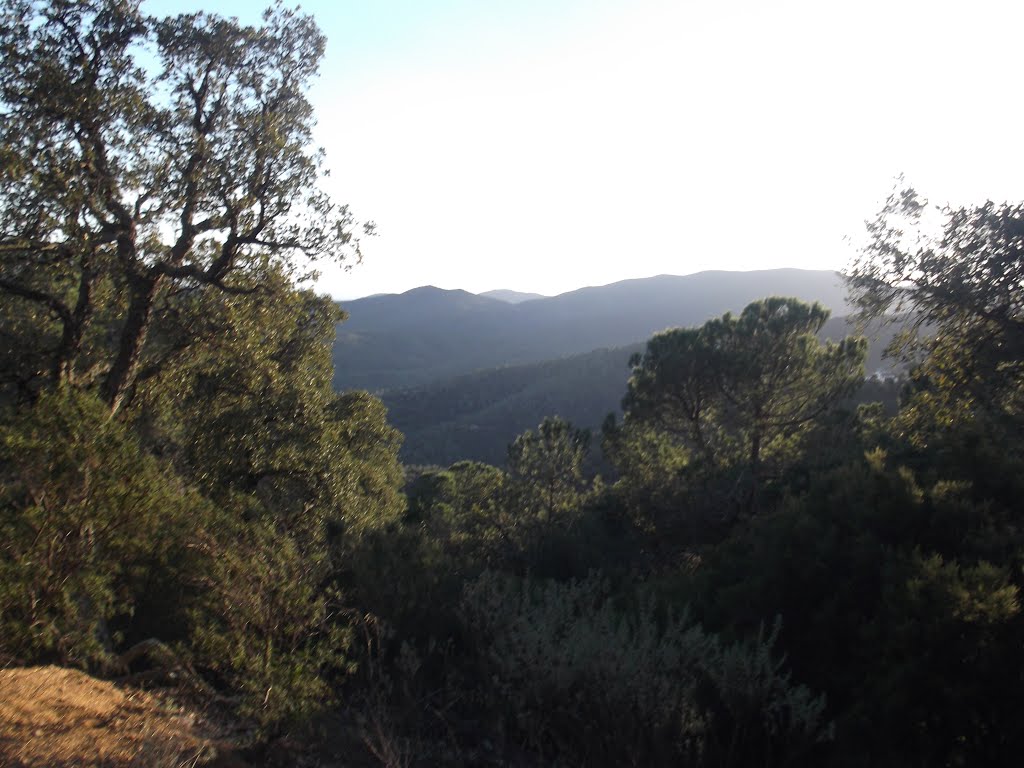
{"x": 249, "y": 416}
{"x": 130, "y": 187}
{"x": 900, "y": 596}
{"x": 739, "y": 390}
{"x": 955, "y": 277}
{"x": 546, "y": 468}
{"x": 463, "y": 511}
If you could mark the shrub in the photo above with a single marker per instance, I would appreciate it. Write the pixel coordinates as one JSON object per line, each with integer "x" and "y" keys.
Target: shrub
{"x": 269, "y": 627}
{"x": 86, "y": 521}
{"x": 584, "y": 681}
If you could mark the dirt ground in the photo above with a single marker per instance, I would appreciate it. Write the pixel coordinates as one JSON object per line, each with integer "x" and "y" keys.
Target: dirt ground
{"x": 62, "y": 718}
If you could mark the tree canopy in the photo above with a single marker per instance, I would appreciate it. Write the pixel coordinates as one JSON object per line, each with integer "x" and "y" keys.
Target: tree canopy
{"x": 954, "y": 276}
{"x": 737, "y": 390}
{"x": 131, "y": 185}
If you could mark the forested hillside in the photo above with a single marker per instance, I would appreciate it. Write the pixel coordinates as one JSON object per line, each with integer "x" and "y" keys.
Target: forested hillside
{"x": 476, "y": 416}
{"x": 771, "y": 570}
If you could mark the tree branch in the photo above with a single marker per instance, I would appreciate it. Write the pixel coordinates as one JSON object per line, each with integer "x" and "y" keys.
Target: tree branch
{"x": 57, "y": 306}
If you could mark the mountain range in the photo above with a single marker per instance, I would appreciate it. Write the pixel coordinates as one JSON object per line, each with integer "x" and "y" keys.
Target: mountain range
{"x": 463, "y": 374}
{"x": 428, "y": 334}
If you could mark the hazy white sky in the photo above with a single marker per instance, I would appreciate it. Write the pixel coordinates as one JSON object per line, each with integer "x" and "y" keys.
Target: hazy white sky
{"x": 543, "y": 145}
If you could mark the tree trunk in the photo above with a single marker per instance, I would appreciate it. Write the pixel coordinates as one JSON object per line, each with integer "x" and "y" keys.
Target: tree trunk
{"x": 133, "y": 338}
{"x": 74, "y": 326}
{"x": 755, "y": 471}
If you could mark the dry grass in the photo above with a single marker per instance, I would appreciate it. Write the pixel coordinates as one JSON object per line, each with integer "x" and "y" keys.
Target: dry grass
{"x": 62, "y": 718}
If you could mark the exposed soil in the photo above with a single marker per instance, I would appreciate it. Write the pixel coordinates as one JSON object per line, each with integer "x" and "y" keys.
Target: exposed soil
{"x": 62, "y": 718}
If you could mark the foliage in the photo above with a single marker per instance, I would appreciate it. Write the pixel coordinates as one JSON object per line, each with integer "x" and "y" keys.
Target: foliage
{"x": 588, "y": 683}
{"x": 546, "y": 468}
{"x": 269, "y": 627}
{"x": 128, "y": 187}
{"x": 463, "y": 511}
{"x": 957, "y": 274}
{"x": 90, "y": 528}
{"x": 894, "y": 596}
{"x": 473, "y": 516}
{"x": 738, "y": 391}
{"x": 466, "y": 519}
{"x": 303, "y": 476}
{"x": 368, "y": 468}
{"x": 251, "y": 413}
{"x": 652, "y": 481}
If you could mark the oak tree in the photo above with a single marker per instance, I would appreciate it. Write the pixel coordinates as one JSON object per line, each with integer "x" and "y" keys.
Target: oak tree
{"x": 145, "y": 161}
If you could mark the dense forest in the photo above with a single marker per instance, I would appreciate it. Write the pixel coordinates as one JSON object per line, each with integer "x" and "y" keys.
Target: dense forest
{"x": 769, "y": 569}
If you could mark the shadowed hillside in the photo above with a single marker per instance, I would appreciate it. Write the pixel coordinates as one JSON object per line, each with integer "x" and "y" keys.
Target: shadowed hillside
{"x": 476, "y": 415}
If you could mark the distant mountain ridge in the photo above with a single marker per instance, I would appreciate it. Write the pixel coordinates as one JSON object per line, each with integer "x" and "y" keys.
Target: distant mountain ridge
{"x": 429, "y": 334}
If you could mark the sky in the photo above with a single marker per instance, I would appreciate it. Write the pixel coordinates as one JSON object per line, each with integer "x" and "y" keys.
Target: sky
{"x": 545, "y": 145}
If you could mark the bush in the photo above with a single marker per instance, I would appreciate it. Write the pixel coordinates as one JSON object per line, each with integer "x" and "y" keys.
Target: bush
{"x": 584, "y": 682}
{"x": 269, "y": 627}
{"x": 87, "y": 522}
